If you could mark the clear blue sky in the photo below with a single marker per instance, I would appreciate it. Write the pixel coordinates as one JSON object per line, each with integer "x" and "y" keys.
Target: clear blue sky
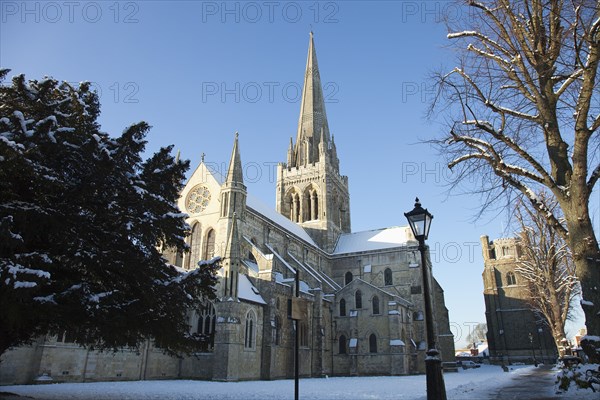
{"x": 198, "y": 71}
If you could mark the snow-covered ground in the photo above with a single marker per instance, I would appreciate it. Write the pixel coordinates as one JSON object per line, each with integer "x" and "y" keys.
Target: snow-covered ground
{"x": 470, "y": 384}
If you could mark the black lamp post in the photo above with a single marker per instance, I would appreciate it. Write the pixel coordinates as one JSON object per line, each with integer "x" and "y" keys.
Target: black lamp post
{"x": 532, "y": 349}
{"x": 420, "y": 222}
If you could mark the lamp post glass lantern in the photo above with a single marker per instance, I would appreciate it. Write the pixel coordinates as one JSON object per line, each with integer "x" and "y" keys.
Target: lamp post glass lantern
{"x": 420, "y": 222}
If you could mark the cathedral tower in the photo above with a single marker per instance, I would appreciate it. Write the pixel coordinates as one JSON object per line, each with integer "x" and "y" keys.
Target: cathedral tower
{"x": 310, "y": 189}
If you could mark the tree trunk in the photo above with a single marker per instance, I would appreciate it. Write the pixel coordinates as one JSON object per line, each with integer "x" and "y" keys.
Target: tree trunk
{"x": 586, "y": 257}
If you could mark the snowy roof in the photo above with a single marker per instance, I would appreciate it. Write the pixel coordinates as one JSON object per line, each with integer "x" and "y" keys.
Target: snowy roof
{"x": 252, "y": 266}
{"x": 278, "y": 219}
{"x": 247, "y": 291}
{"x": 377, "y": 239}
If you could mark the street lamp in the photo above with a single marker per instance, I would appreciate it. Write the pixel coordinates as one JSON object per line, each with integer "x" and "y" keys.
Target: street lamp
{"x": 419, "y": 220}
{"x": 532, "y": 349}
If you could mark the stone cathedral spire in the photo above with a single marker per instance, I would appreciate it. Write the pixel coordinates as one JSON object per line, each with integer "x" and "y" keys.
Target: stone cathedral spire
{"x": 310, "y": 189}
{"x": 233, "y": 191}
{"x": 312, "y": 124}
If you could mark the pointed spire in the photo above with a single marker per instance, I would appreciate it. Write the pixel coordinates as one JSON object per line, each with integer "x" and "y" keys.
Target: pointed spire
{"x": 322, "y": 146}
{"x": 177, "y": 157}
{"x": 234, "y": 173}
{"x": 313, "y": 117}
{"x": 290, "y": 154}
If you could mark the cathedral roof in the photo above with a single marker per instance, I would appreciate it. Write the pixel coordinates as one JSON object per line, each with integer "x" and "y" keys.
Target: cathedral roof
{"x": 268, "y": 212}
{"x": 378, "y": 239}
{"x": 247, "y": 291}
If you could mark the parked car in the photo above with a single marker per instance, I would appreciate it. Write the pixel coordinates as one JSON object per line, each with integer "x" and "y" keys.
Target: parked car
{"x": 470, "y": 364}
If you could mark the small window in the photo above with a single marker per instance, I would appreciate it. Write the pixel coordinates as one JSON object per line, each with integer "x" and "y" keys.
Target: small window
{"x": 387, "y": 277}
{"x": 510, "y": 279}
{"x": 373, "y": 343}
{"x": 418, "y": 316}
{"x": 415, "y": 290}
{"x": 342, "y": 345}
{"x": 358, "y": 299}
{"x": 506, "y": 251}
{"x": 250, "y": 330}
{"x": 348, "y": 278}
{"x": 342, "y": 308}
{"x": 375, "y": 305}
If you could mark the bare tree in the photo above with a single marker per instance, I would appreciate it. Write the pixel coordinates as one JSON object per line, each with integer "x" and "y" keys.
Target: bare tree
{"x": 478, "y": 334}
{"x": 524, "y": 111}
{"x": 547, "y": 267}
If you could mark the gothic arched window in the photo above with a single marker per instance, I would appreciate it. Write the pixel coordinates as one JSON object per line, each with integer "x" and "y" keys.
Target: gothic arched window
{"x": 342, "y": 308}
{"x": 387, "y": 277}
{"x": 372, "y": 343}
{"x": 311, "y": 204}
{"x": 342, "y": 345}
{"x": 206, "y": 327}
{"x": 348, "y": 277}
{"x": 375, "y": 302}
{"x": 294, "y": 201}
{"x": 194, "y": 246}
{"x": 249, "y": 337}
{"x": 209, "y": 249}
{"x": 358, "y": 299}
{"x": 510, "y": 279}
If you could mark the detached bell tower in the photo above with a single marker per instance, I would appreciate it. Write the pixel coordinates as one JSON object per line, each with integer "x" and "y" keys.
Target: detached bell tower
{"x": 310, "y": 189}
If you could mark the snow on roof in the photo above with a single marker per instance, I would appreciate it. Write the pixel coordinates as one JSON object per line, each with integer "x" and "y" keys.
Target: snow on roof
{"x": 278, "y": 256}
{"x": 252, "y": 266}
{"x": 396, "y": 342}
{"x": 278, "y": 219}
{"x": 317, "y": 278}
{"x": 247, "y": 291}
{"x": 377, "y": 239}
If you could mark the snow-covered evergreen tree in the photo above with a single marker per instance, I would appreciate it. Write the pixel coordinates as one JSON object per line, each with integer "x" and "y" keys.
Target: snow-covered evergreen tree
{"x": 81, "y": 218}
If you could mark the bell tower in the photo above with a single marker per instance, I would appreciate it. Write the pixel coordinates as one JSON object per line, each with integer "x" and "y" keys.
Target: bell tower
{"x": 310, "y": 189}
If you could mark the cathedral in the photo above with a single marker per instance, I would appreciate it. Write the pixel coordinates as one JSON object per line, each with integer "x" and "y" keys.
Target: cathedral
{"x": 360, "y": 303}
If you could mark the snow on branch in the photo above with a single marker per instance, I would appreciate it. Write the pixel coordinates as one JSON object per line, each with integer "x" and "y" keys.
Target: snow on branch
{"x": 593, "y": 178}
{"x": 489, "y": 55}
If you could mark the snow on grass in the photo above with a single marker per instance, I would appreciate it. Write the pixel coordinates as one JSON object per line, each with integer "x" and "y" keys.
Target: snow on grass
{"x": 469, "y": 384}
